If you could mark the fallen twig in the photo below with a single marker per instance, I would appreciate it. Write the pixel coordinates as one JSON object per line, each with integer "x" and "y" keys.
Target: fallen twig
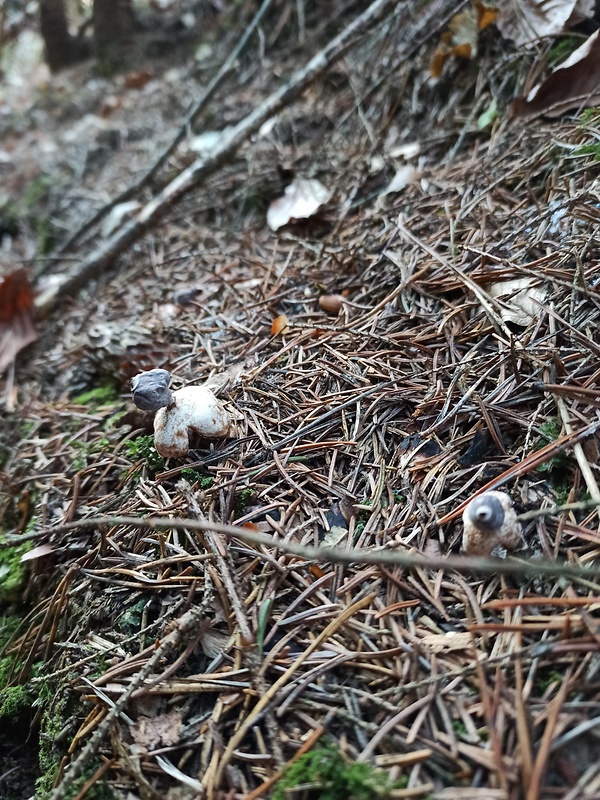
{"x": 412, "y": 561}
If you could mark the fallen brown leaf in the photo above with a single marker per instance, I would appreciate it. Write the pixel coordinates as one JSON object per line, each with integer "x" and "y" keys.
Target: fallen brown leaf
{"x": 281, "y": 325}
{"x": 16, "y": 316}
{"x": 574, "y": 84}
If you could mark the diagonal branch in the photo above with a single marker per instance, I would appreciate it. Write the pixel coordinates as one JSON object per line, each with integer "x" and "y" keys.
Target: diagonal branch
{"x": 191, "y": 177}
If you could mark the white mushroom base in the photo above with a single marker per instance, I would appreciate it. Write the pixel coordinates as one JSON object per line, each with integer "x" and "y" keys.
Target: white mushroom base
{"x": 194, "y": 410}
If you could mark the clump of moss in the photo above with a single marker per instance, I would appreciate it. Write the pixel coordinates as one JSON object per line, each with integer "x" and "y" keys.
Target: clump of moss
{"x": 52, "y": 722}
{"x": 100, "y": 396}
{"x": 142, "y": 448}
{"x": 324, "y": 773}
{"x": 592, "y": 149}
{"x": 193, "y": 476}
{"x": 550, "y": 431}
{"x": 560, "y": 51}
{"x": 131, "y": 619}
{"x": 244, "y": 499}
{"x": 12, "y": 571}
{"x": 590, "y": 116}
{"x": 13, "y": 699}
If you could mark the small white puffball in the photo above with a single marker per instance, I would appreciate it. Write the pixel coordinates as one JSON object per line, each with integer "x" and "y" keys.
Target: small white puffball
{"x": 194, "y": 410}
{"x": 490, "y": 521}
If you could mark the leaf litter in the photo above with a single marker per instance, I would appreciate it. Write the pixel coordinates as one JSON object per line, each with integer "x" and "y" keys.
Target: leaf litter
{"x": 152, "y": 632}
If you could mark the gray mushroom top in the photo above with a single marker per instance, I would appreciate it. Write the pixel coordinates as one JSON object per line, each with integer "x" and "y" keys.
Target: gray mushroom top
{"x": 486, "y": 511}
{"x": 150, "y": 390}
{"x": 490, "y": 524}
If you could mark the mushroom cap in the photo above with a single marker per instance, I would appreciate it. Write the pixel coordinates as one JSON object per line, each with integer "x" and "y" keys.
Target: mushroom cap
{"x": 486, "y": 511}
{"x": 194, "y": 409}
{"x": 490, "y": 521}
{"x": 150, "y": 389}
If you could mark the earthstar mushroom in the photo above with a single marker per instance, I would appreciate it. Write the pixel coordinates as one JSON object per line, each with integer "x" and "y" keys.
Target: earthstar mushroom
{"x": 490, "y": 521}
{"x": 193, "y": 409}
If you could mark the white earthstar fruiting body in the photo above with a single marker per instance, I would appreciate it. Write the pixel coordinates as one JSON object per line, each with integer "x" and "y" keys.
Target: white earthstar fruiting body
{"x": 490, "y": 521}
{"x": 193, "y": 409}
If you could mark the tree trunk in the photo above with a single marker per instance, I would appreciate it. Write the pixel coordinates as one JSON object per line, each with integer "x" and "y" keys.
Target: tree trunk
{"x": 113, "y": 24}
{"x": 62, "y": 49}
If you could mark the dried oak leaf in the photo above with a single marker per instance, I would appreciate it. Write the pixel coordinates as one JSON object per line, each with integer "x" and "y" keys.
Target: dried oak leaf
{"x": 574, "y": 84}
{"x": 521, "y": 299}
{"x": 461, "y": 38}
{"x": 152, "y": 732}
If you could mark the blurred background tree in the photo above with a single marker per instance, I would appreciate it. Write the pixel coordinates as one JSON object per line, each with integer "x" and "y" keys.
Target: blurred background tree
{"x": 62, "y": 48}
{"x": 112, "y": 22}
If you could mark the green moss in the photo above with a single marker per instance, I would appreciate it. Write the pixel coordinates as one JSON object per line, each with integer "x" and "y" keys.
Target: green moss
{"x": 142, "y": 447}
{"x": 323, "y": 773}
{"x": 550, "y": 431}
{"x": 8, "y": 626}
{"x": 589, "y": 150}
{"x": 13, "y": 699}
{"x": 561, "y": 494}
{"x": 99, "y": 791}
{"x": 27, "y": 428}
{"x": 545, "y": 677}
{"x": 38, "y": 190}
{"x": 53, "y": 720}
{"x": 590, "y": 116}
{"x": 100, "y": 396}
{"x": 130, "y": 621}
{"x": 193, "y": 476}
{"x": 113, "y": 421}
{"x": 13, "y": 572}
{"x": 32, "y": 207}
{"x": 563, "y": 49}
{"x": 8, "y": 663}
{"x": 244, "y": 499}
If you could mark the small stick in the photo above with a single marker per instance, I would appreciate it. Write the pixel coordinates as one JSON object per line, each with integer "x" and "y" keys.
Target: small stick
{"x": 463, "y": 564}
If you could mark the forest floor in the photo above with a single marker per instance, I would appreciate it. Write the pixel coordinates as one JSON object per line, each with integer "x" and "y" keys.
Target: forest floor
{"x": 438, "y": 338}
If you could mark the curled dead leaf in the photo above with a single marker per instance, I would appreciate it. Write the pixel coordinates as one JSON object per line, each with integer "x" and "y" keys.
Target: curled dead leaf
{"x": 16, "y": 316}
{"x": 521, "y": 299}
{"x": 162, "y": 730}
{"x": 461, "y": 38}
{"x": 574, "y": 84}
{"x": 281, "y": 325}
{"x": 302, "y": 199}
{"x": 334, "y": 536}
{"x": 137, "y": 80}
{"x": 405, "y": 175}
{"x": 526, "y": 21}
